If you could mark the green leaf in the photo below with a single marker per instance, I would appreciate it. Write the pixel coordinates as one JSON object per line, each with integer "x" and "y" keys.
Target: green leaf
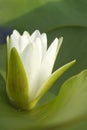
{"x": 8, "y": 7}
{"x": 17, "y": 82}
{"x": 70, "y": 105}
{"x": 43, "y": 14}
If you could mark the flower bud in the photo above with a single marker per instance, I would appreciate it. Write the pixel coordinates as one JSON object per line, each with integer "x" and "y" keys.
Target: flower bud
{"x": 29, "y": 67}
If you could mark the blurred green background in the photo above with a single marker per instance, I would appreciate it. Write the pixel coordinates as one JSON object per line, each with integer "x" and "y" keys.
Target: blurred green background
{"x": 67, "y": 18}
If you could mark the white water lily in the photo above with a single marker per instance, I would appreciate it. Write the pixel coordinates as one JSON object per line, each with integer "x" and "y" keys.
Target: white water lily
{"x": 29, "y": 67}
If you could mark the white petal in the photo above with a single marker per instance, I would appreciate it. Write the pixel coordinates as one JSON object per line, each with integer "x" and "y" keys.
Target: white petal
{"x": 44, "y": 43}
{"x": 49, "y": 59}
{"x": 24, "y": 41}
{"x": 35, "y": 35}
{"x": 14, "y": 40}
{"x": 48, "y": 63}
{"x": 38, "y": 43}
{"x": 46, "y": 67}
{"x": 42, "y": 39}
{"x": 31, "y": 60}
{"x": 16, "y": 34}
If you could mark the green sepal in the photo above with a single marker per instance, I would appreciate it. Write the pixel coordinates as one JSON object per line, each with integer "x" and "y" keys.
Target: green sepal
{"x": 51, "y": 81}
{"x": 17, "y": 81}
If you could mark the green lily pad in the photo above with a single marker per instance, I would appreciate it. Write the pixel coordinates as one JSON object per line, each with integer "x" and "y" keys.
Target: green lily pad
{"x": 44, "y": 14}
{"x": 70, "y": 106}
{"x": 12, "y": 8}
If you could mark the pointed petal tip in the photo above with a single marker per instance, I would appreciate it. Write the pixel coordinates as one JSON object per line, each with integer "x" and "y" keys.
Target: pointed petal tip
{"x": 54, "y": 43}
{"x": 60, "y": 40}
{"x": 26, "y": 33}
{"x": 73, "y": 61}
{"x": 56, "y": 39}
{"x": 36, "y": 32}
{"x": 15, "y": 33}
{"x": 69, "y": 64}
{"x": 44, "y": 37}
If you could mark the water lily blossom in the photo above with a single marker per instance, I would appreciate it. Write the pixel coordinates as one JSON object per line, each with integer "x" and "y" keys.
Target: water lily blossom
{"x": 29, "y": 67}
